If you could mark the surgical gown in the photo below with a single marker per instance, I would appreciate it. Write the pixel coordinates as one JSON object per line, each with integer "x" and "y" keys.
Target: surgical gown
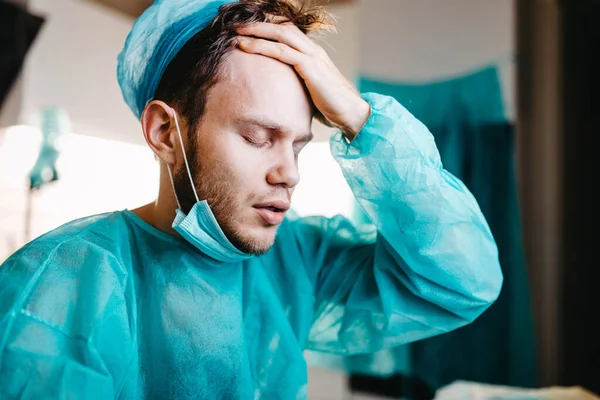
{"x": 110, "y": 307}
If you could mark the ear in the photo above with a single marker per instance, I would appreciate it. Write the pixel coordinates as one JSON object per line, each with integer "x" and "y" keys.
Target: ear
{"x": 160, "y": 132}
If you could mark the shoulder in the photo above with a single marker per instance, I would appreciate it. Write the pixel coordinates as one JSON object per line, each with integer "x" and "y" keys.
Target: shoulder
{"x": 75, "y": 260}
{"x": 95, "y": 232}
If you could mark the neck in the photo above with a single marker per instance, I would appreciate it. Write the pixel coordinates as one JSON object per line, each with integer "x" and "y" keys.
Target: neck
{"x": 161, "y": 212}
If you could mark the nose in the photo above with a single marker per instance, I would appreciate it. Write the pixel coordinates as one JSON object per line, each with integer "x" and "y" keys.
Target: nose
{"x": 284, "y": 171}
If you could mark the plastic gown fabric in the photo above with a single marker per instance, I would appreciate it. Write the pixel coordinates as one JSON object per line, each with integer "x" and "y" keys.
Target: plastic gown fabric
{"x": 109, "y": 307}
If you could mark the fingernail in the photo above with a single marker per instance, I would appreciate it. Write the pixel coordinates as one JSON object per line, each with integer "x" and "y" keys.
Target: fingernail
{"x": 241, "y": 41}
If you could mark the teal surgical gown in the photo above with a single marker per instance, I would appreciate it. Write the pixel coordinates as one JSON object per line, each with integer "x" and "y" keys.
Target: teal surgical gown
{"x": 109, "y": 307}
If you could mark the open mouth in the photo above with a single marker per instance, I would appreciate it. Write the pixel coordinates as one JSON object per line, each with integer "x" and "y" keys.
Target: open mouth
{"x": 272, "y": 213}
{"x": 274, "y": 209}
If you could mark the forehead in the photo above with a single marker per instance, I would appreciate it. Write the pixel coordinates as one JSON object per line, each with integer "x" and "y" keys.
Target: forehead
{"x": 254, "y": 85}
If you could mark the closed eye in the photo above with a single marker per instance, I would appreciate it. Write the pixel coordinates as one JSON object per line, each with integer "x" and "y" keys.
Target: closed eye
{"x": 255, "y": 139}
{"x": 255, "y": 144}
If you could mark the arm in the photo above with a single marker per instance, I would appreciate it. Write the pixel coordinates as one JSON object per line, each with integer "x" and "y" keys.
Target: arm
{"x": 430, "y": 266}
{"x": 61, "y": 312}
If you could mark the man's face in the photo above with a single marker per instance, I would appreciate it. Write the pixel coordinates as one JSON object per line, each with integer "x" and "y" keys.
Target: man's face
{"x": 244, "y": 163}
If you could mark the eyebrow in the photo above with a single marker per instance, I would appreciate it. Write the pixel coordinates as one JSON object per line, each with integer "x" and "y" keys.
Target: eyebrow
{"x": 271, "y": 125}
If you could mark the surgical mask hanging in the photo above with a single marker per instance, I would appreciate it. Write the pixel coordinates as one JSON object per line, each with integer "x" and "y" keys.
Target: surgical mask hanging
{"x": 200, "y": 227}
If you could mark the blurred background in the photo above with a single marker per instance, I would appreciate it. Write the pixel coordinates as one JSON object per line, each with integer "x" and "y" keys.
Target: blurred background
{"x": 508, "y": 89}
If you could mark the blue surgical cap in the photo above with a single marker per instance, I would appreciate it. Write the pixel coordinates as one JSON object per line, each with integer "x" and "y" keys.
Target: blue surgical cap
{"x": 154, "y": 41}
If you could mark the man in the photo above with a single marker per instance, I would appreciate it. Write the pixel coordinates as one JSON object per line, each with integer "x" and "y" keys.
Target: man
{"x": 210, "y": 292}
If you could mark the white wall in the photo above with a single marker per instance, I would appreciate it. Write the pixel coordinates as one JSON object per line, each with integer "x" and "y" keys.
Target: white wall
{"x": 342, "y": 46}
{"x": 73, "y": 64}
{"x": 424, "y": 40}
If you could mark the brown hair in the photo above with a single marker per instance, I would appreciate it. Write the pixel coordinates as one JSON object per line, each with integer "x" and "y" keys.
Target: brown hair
{"x": 195, "y": 69}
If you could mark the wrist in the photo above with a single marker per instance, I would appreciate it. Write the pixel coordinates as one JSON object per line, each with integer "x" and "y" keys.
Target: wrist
{"x": 358, "y": 119}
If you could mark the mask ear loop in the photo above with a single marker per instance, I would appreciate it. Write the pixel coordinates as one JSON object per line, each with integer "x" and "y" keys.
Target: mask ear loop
{"x": 173, "y": 185}
{"x": 187, "y": 166}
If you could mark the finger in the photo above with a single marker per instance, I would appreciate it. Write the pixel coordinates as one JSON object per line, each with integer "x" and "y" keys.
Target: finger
{"x": 276, "y": 50}
{"x": 288, "y": 34}
{"x": 277, "y": 19}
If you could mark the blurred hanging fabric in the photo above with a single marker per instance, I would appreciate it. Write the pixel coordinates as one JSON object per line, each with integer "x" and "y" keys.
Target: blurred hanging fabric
{"x": 55, "y": 123}
{"x": 476, "y": 143}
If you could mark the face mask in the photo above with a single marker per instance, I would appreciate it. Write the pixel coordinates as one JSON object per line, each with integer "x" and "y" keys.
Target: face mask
{"x": 200, "y": 227}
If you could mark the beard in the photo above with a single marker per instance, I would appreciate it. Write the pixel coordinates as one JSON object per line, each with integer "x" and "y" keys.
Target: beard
{"x": 218, "y": 186}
